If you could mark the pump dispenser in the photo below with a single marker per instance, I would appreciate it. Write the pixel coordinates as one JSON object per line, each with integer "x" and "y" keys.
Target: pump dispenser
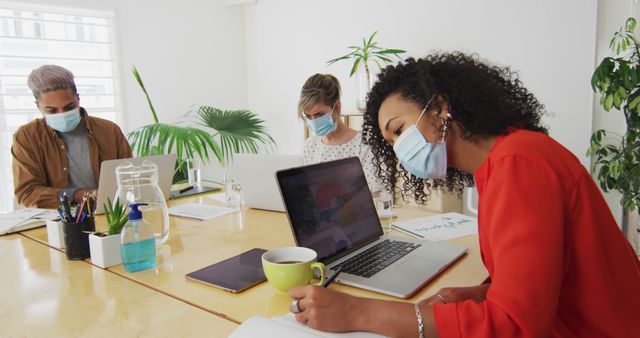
{"x": 138, "y": 245}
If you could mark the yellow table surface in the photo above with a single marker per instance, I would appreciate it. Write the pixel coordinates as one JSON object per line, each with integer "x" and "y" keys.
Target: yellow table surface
{"x": 195, "y": 244}
{"x": 44, "y": 294}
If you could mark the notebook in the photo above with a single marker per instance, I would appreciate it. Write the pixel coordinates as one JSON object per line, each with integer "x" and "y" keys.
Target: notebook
{"x": 331, "y": 211}
{"x": 256, "y": 174}
{"x": 108, "y": 185}
{"x": 25, "y": 219}
{"x": 287, "y": 326}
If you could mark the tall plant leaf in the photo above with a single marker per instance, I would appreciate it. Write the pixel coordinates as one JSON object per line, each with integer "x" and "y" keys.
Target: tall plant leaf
{"x": 239, "y": 131}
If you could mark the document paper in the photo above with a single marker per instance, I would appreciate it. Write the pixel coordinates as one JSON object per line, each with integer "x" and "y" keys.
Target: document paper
{"x": 439, "y": 227}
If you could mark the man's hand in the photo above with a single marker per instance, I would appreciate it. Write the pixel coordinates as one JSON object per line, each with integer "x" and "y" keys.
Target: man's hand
{"x": 77, "y": 196}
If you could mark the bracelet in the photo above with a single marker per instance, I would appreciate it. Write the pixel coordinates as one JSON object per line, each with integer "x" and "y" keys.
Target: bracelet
{"x": 420, "y": 322}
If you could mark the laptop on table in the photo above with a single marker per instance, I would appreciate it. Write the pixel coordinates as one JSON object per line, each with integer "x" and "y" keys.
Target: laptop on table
{"x": 331, "y": 211}
{"x": 256, "y": 174}
{"x": 108, "y": 185}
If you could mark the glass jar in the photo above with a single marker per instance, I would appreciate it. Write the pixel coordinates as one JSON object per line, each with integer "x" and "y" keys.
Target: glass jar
{"x": 139, "y": 184}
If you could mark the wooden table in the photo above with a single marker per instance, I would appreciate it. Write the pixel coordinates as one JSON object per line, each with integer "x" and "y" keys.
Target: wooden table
{"x": 195, "y": 244}
{"x": 44, "y": 294}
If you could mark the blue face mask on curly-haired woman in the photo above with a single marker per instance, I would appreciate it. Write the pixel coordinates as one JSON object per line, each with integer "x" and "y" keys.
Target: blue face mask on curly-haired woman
{"x": 323, "y": 125}
{"x": 418, "y": 156}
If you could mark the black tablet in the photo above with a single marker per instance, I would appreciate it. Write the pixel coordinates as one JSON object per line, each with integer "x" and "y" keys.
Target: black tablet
{"x": 234, "y": 274}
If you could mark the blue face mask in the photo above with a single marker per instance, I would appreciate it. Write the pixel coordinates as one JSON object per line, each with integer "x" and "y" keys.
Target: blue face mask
{"x": 64, "y": 122}
{"x": 418, "y": 156}
{"x": 322, "y": 125}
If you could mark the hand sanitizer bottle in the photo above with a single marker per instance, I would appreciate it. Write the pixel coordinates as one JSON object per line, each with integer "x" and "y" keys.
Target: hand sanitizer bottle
{"x": 138, "y": 245}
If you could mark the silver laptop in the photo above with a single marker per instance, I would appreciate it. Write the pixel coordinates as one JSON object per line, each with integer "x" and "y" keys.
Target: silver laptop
{"x": 256, "y": 174}
{"x": 107, "y": 185}
{"x": 331, "y": 211}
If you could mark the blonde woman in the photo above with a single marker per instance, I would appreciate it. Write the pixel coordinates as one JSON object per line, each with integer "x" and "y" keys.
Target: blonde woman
{"x": 320, "y": 108}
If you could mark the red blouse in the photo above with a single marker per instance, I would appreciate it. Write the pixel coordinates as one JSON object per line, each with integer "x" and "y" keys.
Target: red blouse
{"x": 559, "y": 265}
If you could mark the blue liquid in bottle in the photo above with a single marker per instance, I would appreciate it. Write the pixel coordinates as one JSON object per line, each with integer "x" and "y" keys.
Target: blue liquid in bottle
{"x": 137, "y": 242}
{"x": 139, "y": 256}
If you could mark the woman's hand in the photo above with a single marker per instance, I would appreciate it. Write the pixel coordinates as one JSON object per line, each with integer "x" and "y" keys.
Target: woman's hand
{"x": 326, "y": 309}
{"x": 454, "y": 295}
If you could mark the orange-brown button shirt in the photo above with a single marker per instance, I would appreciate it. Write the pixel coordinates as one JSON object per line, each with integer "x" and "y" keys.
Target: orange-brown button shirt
{"x": 40, "y": 162}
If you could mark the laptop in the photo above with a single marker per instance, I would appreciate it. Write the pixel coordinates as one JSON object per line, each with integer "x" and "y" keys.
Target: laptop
{"x": 331, "y": 211}
{"x": 256, "y": 174}
{"x": 107, "y": 184}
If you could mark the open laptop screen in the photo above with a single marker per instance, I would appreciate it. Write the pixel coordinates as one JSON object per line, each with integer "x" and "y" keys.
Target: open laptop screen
{"x": 329, "y": 206}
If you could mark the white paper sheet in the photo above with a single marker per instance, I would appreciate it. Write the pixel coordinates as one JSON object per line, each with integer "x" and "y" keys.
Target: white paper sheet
{"x": 439, "y": 227}
{"x": 200, "y": 211}
{"x": 24, "y": 219}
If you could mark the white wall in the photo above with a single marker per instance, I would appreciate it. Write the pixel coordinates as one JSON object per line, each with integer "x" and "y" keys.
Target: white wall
{"x": 188, "y": 52}
{"x": 551, "y": 44}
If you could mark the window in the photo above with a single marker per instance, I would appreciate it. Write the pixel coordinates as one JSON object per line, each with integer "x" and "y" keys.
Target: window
{"x": 30, "y": 36}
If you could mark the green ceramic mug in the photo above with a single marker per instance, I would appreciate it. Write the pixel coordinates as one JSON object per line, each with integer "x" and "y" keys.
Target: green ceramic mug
{"x": 289, "y": 267}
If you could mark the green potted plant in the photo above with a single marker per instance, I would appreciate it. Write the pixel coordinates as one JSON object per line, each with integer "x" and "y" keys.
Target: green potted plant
{"x": 363, "y": 56}
{"x": 617, "y": 157}
{"x": 233, "y": 131}
{"x": 105, "y": 246}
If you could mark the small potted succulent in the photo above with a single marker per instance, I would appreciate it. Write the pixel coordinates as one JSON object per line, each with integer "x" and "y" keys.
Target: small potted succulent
{"x": 105, "y": 246}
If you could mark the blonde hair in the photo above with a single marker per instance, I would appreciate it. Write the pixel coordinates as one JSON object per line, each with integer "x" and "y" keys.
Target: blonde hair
{"x": 319, "y": 88}
{"x": 49, "y": 78}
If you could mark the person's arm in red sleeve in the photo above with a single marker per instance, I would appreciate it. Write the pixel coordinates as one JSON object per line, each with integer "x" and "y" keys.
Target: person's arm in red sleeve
{"x": 522, "y": 217}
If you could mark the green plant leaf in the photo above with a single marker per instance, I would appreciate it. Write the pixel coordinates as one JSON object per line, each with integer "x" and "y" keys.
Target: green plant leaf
{"x": 371, "y": 38}
{"x": 630, "y": 24}
{"x": 354, "y": 68}
{"x": 240, "y": 131}
{"x": 116, "y": 215}
{"x": 344, "y": 57}
{"x": 144, "y": 90}
{"x": 391, "y": 51}
{"x": 608, "y": 102}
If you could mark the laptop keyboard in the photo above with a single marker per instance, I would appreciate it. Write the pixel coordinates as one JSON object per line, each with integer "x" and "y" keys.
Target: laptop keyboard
{"x": 376, "y": 258}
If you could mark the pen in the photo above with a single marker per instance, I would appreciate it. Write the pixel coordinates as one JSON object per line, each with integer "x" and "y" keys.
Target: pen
{"x": 332, "y": 278}
{"x": 186, "y": 189}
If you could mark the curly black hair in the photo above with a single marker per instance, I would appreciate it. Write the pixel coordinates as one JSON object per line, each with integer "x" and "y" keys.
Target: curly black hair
{"x": 484, "y": 100}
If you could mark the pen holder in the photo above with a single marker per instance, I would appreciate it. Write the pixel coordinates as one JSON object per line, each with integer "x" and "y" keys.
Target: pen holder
{"x": 55, "y": 234}
{"x": 76, "y": 238}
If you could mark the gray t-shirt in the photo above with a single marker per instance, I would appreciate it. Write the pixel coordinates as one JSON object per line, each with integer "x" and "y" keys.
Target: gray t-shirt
{"x": 80, "y": 171}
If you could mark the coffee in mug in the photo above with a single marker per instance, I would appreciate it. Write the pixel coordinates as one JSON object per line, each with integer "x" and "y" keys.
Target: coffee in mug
{"x": 289, "y": 267}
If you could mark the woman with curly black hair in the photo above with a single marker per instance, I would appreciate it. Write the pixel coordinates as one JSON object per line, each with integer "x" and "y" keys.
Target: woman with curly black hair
{"x": 558, "y": 265}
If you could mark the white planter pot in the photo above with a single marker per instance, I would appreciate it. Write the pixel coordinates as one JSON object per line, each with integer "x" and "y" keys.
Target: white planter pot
{"x": 105, "y": 251}
{"x": 55, "y": 234}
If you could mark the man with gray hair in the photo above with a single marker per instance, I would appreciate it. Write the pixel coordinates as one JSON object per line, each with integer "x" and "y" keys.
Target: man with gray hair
{"x": 62, "y": 151}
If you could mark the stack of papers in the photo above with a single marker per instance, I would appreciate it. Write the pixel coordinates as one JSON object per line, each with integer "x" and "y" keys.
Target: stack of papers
{"x": 25, "y": 219}
{"x": 439, "y": 227}
{"x": 201, "y": 212}
{"x": 287, "y": 326}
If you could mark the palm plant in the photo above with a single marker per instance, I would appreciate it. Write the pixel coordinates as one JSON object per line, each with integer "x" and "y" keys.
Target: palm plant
{"x": 617, "y": 78}
{"x": 370, "y": 51}
{"x": 237, "y": 131}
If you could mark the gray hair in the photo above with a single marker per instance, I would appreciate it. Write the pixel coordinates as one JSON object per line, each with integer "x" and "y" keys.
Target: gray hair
{"x": 49, "y": 78}
{"x": 319, "y": 88}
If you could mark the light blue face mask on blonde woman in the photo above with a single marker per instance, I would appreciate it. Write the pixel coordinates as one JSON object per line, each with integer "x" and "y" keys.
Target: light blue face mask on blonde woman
{"x": 64, "y": 122}
{"x": 323, "y": 125}
{"x": 418, "y": 156}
